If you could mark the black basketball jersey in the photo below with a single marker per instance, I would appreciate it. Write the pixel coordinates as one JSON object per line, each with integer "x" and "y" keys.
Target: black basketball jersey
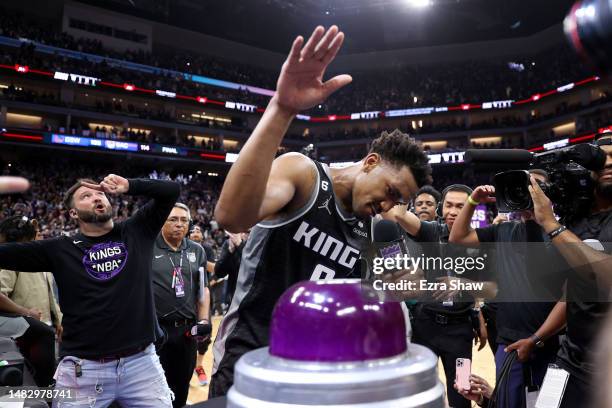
{"x": 319, "y": 241}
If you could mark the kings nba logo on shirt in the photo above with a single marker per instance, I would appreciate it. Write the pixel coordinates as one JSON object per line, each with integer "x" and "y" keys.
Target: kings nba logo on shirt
{"x": 104, "y": 261}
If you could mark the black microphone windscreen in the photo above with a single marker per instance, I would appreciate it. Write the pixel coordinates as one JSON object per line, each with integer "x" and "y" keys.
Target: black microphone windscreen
{"x": 498, "y": 156}
{"x": 386, "y": 231}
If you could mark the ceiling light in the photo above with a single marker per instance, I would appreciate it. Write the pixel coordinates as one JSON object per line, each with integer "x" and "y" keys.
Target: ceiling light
{"x": 419, "y": 3}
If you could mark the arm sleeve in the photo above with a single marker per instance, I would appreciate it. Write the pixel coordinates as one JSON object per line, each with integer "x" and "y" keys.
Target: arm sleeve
{"x": 429, "y": 232}
{"x": 7, "y": 281}
{"x": 163, "y": 196}
{"x": 487, "y": 234}
{"x": 26, "y": 256}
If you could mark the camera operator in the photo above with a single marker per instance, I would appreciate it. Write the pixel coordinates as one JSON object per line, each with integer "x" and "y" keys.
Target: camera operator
{"x": 530, "y": 328}
{"x": 445, "y": 322}
{"x": 591, "y": 272}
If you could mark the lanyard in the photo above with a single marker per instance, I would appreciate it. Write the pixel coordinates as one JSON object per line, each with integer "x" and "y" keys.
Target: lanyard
{"x": 174, "y": 269}
{"x": 180, "y": 262}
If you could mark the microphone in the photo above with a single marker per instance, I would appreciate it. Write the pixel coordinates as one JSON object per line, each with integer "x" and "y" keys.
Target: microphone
{"x": 388, "y": 240}
{"x": 498, "y": 156}
{"x": 200, "y": 331}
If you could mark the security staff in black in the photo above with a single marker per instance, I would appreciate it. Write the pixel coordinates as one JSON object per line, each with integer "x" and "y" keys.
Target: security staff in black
{"x": 179, "y": 282}
{"x": 444, "y": 322}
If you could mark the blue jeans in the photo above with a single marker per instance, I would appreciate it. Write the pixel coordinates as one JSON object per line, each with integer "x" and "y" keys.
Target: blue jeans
{"x": 134, "y": 381}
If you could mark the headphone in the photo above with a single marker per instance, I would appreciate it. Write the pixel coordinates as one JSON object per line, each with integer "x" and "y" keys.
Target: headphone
{"x": 452, "y": 187}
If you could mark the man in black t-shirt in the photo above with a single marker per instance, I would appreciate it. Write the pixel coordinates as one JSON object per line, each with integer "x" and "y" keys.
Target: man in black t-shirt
{"x": 104, "y": 278}
{"x": 530, "y": 284}
{"x": 443, "y": 322}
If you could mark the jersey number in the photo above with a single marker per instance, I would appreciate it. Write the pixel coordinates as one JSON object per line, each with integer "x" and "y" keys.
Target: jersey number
{"x": 322, "y": 273}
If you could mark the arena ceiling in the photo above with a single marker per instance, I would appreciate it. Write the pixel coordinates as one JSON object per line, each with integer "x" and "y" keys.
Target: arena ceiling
{"x": 369, "y": 24}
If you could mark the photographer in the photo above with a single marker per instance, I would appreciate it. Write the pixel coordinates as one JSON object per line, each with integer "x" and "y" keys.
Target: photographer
{"x": 530, "y": 327}
{"x": 591, "y": 272}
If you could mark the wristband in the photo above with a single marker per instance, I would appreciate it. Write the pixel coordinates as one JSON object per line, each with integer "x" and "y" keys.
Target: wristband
{"x": 556, "y": 232}
{"x": 472, "y": 201}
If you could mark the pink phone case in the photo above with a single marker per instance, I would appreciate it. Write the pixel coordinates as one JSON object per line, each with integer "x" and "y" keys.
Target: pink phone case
{"x": 463, "y": 369}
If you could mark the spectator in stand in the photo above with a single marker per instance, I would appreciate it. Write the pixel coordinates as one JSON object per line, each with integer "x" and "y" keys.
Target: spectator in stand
{"x": 33, "y": 294}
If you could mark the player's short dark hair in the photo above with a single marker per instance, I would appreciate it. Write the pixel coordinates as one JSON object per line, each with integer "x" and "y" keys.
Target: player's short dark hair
{"x": 18, "y": 228}
{"x": 431, "y": 191}
{"x": 400, "y": 149}
{"x": 69, "y": 195}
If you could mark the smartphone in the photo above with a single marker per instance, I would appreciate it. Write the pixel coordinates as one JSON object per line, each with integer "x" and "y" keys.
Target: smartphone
{"x": 463, "y": 369}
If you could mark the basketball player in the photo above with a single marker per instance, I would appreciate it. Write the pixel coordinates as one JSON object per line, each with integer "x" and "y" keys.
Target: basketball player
{"x": 308, "y": 221}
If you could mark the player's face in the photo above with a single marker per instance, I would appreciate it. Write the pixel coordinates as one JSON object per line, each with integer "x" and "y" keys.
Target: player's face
{"x": 176, "y": 225}
{"x": 380, "y": 186}
{"x": 425, "y": 207}
{"x": 91, "y": 206}
{"x": 604, "y": 176}
{"x": 452, "y": 206}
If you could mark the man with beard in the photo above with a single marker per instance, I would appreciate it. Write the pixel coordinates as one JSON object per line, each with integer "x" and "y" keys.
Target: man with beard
{"x": 104, "y": 278}
{"x": 426, "y": 202}
{"x": 585, "y": 244}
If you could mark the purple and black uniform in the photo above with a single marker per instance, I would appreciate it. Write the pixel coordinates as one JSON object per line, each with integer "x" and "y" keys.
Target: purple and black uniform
{"x": 105, "y": 284}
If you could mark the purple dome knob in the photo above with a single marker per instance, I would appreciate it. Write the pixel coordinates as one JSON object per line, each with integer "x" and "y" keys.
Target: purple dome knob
{"x": 336, "y": 321}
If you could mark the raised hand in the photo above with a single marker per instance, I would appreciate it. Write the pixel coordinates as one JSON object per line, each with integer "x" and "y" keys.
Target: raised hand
{"x": 542, "y": 207}
{"x": 112, "y": 184}
{"x": 9, "y": 184}
{"x": 484, "y": 194}
{"x": 300, "y": 84}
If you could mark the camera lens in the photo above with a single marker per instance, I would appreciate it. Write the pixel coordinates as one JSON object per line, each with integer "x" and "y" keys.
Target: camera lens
{"x": 512, "y": 192}
{"x": 517, "y": 196}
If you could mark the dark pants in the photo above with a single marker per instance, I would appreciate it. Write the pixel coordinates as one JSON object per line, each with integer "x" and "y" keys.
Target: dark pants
{"x": 537, "y": 366}
{"x": 177, "y": 357}
{"x": 38, "y": 347}
{"x": 490, "y": 318}
{"x": 578, "y": 393}
{"x": 449, "y": 342}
